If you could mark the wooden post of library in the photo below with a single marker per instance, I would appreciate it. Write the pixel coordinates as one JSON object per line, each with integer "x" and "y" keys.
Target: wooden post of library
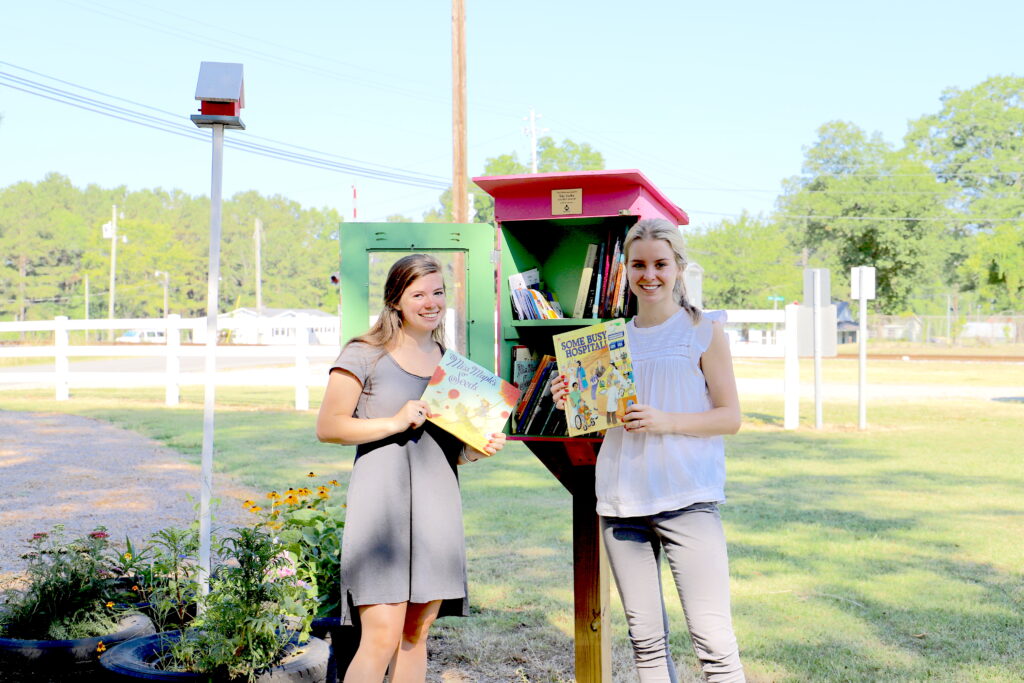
{"x": 547, "y": 221}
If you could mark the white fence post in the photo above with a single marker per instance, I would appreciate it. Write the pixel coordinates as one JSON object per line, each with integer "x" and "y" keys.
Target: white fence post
{"x": 172, "y": 394}
{"x": 301, "y": 362}
{"x": 791, "y": 381}
{"x": 60, "y": 358}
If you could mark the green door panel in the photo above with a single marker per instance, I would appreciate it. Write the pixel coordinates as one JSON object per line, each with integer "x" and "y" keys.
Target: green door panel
{"x": 465, "y": 251}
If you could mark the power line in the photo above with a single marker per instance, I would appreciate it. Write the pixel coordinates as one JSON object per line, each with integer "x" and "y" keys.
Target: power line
{"x": 943, "y": 219}
{"x": 176, "y": 128}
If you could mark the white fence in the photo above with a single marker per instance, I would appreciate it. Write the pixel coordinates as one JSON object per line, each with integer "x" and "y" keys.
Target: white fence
{"x": 295, "y": 359}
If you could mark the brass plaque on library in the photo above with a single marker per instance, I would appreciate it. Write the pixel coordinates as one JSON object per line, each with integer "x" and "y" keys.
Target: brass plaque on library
{"x": 567, "y": 202}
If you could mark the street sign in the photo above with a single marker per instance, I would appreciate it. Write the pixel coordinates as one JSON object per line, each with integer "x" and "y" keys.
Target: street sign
{"x": 862, "y": 282}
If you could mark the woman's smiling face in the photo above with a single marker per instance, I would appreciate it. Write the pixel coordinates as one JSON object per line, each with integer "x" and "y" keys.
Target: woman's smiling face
{"x": 423, "y": 302}
{"x": 653, "y": 270}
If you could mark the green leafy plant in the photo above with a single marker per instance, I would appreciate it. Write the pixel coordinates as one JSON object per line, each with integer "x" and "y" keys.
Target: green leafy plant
{"x": 163, "y": 575}
{"x": 255, "y": 609}
{"x": 70, "y": 589}
{"x": 309, "y": 522}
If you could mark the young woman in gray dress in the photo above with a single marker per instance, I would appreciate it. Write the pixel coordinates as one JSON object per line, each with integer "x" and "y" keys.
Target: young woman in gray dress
{"x": 403, "y": 558}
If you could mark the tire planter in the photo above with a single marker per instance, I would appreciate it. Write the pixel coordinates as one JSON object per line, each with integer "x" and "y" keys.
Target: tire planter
{"x": 66, "y": 656}
{"x": 136, "y": 660}
{"x": 343, "y": 640}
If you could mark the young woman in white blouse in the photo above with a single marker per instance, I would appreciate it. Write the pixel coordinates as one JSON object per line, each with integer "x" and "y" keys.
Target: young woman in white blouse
{"x": 661, "y": 476}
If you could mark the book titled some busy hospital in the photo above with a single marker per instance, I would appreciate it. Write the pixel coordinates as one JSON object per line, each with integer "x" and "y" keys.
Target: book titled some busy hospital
{"x": 596, "y": 365}
{"x": 468, "y": 400}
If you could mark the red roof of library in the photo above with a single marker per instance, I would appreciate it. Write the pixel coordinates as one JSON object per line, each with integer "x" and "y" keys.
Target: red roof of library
{"x": 527, "y": 186}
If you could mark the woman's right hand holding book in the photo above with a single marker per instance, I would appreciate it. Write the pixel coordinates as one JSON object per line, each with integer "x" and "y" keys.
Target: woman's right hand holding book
{"x": 559, "y": 389}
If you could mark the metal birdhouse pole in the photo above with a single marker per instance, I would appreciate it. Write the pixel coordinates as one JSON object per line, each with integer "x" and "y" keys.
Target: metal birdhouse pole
{"x": 221, "y": 91}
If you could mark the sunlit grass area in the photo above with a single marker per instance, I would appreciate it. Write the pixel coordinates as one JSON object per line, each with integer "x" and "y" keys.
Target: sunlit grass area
{"x": 890, "y": 554}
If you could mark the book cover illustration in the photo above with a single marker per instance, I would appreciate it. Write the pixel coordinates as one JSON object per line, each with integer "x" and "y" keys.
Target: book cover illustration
{"x": 596, "y": 364}
{"x": 468, "y": 400}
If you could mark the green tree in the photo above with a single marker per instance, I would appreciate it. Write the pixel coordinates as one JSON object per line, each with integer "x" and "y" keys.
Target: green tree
{"x": 41, "y": 242}
{"x": 745, "y": 261}
{"x": 975, "y": 144}
{"x": 860, "y": 202}
{"x": 551, "y": 158}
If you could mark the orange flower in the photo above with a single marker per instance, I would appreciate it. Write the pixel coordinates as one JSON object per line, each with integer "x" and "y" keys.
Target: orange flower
{"x": 135, "y": 588}
{"x": 100, "y": 647}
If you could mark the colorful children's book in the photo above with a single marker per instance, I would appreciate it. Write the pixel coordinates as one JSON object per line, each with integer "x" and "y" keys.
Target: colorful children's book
{"x": 596, "y": 364}
{"x": 468, "y": 400}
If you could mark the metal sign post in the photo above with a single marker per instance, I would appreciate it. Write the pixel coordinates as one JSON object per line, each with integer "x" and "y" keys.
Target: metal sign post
{"x": 820, "y": 317}
{"x": 862, "y": 288}
{"x": 221, "y": 91}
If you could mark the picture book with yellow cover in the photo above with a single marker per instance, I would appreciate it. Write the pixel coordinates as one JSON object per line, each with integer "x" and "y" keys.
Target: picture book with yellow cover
{"x": 468, "y": 400}
{"x": 596, "y": 364}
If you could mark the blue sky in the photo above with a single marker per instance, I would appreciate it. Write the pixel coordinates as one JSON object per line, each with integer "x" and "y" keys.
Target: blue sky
{"x": 714, "y": 103}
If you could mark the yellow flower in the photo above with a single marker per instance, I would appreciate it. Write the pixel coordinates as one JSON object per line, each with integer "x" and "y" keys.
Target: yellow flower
{"x": 322, "y": 489}
{"x": 127, "y": 556}
{"x": 290, "y": 492}
{"x": 304, "y": 491}
{"x": 273, "y": 495}
{"x": 334, "y": 482}
{"x": 248, "y": 503}
{"x": 255, "y": 508}
{"x": 310, "y": 475}
{"x": 276, "y": 503}
{"x": 324, "y": 495}
{"x": 100, "y": 647}
{"x": 291, "y": 500}
{"x": 275, "y": 525}
{"x": 110, "y": 604}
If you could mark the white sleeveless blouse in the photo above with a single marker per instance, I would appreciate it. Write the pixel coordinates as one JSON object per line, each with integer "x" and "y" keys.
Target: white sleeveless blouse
{"x": 643, "y": 474}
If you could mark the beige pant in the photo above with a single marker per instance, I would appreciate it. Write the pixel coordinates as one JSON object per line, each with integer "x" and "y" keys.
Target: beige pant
{"x": 693, "y": 541}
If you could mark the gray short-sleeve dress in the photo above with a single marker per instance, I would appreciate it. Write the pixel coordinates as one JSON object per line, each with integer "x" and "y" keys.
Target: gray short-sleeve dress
{"x": 403, "y": 537}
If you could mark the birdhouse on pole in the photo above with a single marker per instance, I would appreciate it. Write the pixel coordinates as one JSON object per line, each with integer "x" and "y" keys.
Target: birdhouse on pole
{"x": 221, "y": 91}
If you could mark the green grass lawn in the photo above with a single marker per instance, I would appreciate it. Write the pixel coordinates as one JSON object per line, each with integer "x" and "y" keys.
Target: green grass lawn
{"x": 894, "y": 554}
{"x": 966, "y": 347}
{"x": 885, "y": 371}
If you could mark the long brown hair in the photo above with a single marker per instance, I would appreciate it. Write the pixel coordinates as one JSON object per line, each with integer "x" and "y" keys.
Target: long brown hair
{"x": 661, "y": 229}
{"x": 403, "y": 273}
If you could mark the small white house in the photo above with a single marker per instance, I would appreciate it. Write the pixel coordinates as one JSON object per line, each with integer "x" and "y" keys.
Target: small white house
{"x": 277, "y": 326}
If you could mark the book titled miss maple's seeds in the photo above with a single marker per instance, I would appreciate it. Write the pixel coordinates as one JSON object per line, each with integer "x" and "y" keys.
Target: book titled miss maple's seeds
{"x": 596, "y": 364}
{"x": 468, "y": 400}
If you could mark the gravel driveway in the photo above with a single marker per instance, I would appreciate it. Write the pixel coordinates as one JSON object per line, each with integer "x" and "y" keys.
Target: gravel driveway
{"x": 85, "y": 473}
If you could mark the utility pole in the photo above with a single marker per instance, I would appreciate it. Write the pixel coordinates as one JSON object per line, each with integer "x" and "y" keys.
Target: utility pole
{"x": 460, "y": 207}
{"x": 258, "y": 237}
{"x": 533, "y": 132}
{"x": 113, "y": 268}
{"x": 166, "y": 283}
{"x": 87, "y": 306}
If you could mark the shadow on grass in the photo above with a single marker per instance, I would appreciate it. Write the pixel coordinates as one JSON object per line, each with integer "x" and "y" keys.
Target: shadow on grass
{"x": 940, "y": 616}
{"x": 762, "y": 418}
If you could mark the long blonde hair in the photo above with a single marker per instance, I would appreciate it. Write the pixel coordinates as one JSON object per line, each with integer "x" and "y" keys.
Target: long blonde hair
{"x": 661, "y": 229}
{"x": 389, "y": 323}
